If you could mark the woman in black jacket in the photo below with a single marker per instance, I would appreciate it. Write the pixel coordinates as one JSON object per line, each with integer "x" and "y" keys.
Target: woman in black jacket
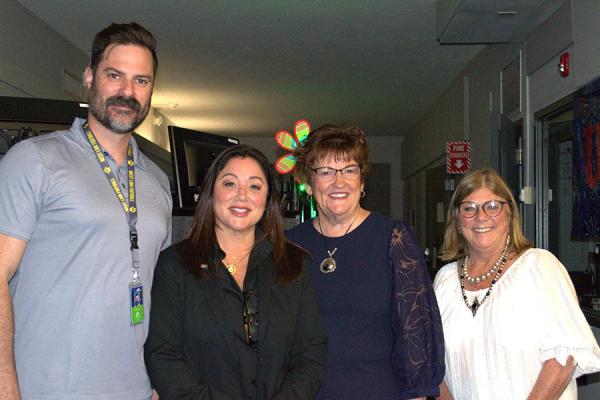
{"x": 233, "y": 311}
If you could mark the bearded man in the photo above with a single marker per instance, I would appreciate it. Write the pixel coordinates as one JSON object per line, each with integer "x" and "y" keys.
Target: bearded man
{"x": 83, "y": 217}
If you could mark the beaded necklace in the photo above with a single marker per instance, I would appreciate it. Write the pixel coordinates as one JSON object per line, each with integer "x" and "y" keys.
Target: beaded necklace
{"x": 477, "y": 279}
{"x": 499, "y": 265}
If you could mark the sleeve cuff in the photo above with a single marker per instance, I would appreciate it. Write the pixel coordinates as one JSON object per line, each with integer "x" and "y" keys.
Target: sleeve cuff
{"x": 423, "y": 391}
{"x": 587, "y": 359}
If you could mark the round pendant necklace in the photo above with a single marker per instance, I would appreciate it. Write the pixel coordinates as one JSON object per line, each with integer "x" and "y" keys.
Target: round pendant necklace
{"x": 233, "y": 263}
{"x": 499, "y": 265}
{"x": 232, "y": 268}
{"x": 328, "y": 265}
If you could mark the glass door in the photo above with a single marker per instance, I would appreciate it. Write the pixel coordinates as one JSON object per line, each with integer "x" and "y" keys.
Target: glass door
{"x": 555, "y": 199}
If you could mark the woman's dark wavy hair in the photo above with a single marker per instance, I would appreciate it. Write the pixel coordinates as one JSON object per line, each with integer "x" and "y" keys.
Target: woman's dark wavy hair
{"x": 201, "y": 245}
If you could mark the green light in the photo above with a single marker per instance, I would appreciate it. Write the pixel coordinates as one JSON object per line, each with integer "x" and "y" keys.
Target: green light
{"x": 301, "y": 188}
{"x": 313, "y": 210}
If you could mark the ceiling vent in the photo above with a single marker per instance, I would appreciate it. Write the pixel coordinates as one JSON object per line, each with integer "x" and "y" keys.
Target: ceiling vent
{"x": 490, "y": 21}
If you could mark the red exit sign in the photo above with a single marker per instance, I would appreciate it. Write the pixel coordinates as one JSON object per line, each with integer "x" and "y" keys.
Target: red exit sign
{"x": 458, "y": 157}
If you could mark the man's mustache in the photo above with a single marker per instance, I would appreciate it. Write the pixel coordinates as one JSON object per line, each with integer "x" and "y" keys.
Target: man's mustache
{"x": 121, "y": 101}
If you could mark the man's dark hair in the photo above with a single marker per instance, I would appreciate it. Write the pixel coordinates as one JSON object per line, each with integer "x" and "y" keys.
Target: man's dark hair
{"x": 131, "y": 33}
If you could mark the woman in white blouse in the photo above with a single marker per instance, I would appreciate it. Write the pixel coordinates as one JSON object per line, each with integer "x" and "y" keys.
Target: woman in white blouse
{"x": 512, "y": 325}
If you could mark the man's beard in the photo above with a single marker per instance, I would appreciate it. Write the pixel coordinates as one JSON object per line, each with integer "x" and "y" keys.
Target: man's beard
{"x": 99, "y": 109}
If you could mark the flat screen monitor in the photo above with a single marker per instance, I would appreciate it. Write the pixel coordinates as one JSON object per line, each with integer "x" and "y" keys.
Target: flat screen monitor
{"x": 192, "y": 153}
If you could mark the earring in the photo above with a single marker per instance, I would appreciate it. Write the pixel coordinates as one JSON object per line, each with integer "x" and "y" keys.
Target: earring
{"x": 362, "y": 193}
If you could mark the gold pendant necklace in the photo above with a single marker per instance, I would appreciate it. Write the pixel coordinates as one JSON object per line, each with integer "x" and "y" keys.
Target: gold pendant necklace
{"x": 234, "y": 262}
{"x": 231, "y": 268}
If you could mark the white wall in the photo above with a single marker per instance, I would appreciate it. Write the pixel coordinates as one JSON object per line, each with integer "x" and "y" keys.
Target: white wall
{"x": 465, "y": 111}
{"x": 266, "y": 144}
{"x": 546, "y": 86}
{"x": 158, "y": 134}
{"x": 33, "y": 57}
{"x": 445, "y": 120}
{"x": 388, "y": 149}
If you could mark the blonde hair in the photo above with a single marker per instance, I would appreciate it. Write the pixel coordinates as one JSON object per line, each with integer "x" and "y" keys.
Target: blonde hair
{"x": 455, "y": 246}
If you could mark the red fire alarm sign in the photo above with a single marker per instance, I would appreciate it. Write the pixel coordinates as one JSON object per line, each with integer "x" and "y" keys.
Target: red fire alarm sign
{"x": 458, "y": 157}
{"x": 563, "y": 65}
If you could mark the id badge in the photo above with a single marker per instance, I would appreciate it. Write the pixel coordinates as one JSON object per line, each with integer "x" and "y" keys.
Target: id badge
{"x": 136, "y": 298}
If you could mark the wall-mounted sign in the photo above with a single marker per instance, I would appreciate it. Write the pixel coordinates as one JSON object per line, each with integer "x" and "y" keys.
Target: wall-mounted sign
{"x": 458, "y": 157}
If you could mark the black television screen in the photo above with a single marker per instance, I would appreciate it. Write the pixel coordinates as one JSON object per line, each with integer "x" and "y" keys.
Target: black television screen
{"x": 192, "y": 153}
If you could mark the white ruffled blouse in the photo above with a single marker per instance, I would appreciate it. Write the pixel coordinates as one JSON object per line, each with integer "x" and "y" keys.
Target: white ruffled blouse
{"x": 532, "y": 315}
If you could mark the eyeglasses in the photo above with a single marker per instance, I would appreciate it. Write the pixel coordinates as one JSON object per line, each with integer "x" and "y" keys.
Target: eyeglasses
{"x": 491, "y": 208}
{"x": 250, "y": 308}
{"x": 328, "y": 173}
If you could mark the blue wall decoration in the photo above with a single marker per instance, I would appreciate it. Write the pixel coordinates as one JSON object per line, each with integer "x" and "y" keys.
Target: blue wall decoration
{"x": 586, "y": 162}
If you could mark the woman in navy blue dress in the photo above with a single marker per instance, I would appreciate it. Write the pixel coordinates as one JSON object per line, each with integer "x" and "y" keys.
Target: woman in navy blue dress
{"x": 376, "y": 299}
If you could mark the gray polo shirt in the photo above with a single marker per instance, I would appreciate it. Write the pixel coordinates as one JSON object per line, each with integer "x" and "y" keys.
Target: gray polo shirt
{"x": 73, "y": 338}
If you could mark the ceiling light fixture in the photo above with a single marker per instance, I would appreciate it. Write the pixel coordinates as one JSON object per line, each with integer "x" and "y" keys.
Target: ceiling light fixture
{"x": 171, "y": 106}
{"x": 157, "y": 120}
{"x": 506, "y": 13}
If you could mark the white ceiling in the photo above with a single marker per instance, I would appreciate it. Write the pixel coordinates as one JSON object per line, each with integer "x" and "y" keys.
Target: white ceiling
{"x": 491, "y": 21}
{"x": 253, "y": 67}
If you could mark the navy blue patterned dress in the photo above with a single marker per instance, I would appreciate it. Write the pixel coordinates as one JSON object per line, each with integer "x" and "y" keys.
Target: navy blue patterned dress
{"x": 379, "y": 310}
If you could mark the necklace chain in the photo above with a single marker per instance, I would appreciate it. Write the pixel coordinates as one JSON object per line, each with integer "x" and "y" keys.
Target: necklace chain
{"x": 328, "y": 264}
{"x": 233, "y": 264}
{"x": 499, "y": 265}
{"x": 489, "y": 273}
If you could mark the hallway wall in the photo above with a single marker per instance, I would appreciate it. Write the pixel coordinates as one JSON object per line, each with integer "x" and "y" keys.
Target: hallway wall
{"x": 36, "y": 61}
{"x": 467, "y": 108}
{"x": 33, "y": 57}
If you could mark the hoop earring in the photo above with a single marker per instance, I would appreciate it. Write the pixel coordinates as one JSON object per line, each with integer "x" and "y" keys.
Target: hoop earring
{"x": 362, "y": 193}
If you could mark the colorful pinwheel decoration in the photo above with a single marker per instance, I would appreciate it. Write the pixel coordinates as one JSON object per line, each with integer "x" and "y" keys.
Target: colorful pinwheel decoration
{"x": 286, "y": 163}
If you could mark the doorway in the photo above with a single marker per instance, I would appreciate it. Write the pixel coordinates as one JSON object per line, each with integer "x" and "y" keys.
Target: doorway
{"x": 556, "y": 197}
